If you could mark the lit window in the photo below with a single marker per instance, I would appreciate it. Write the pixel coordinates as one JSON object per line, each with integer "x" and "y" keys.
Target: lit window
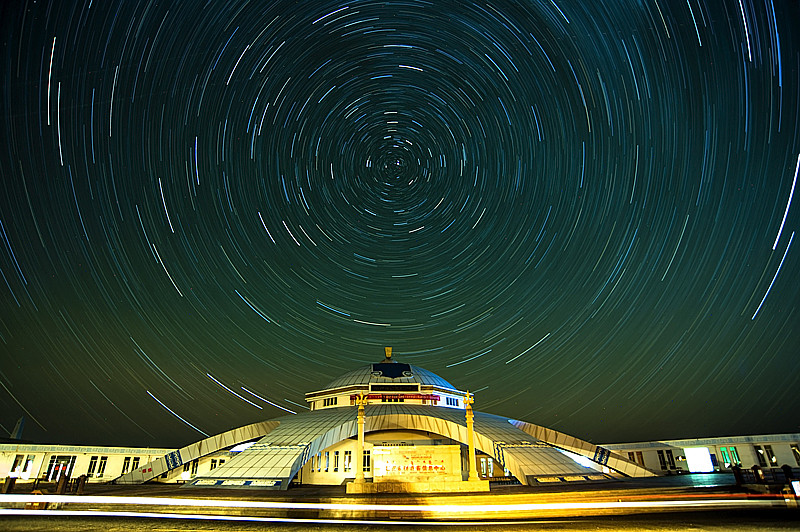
{"x": 773, "y": 460}
{"x": 18, "y": 463}
{"x": 348, "y": 456}
{"x": 327, "y": 460}
{"x": 796, "y": 453}
{"x": 29, "y": 463}
{"x": 725, "y": 457}
{"x": 735, "y": 456}
{"x": 762, "y": 461}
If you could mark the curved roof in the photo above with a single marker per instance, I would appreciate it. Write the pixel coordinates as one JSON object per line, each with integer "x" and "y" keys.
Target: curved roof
{"x": 391, "y": 372}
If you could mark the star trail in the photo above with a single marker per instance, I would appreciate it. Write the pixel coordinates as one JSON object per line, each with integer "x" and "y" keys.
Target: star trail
{"x": 584, "y": 210}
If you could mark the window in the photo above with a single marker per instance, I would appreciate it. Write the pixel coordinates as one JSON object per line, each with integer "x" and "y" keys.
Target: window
{"x": 221, "y": 461}
{"x": 125, "y": 465}
{"x": 335, "y": 461}
{"x": 313, "y": 462}
{"x": 670, "y": 459}
{"x": 327, "y": 460}
{"x": 490, "y": 466}
{"x": 213, "y": 463}
{"x": 330, "y": 401}
{"x": 101, "y": 466}
{"x": 194, "y": 466}
{"x": 29, "y": 463}
{"x": 60, "y": 465}
{"x": 762, "y": 461}
{"x": 451, "y": 401}
{"x": 631, "y": 456}
{"x": 392, "y": 399}
{"x": 796, "y": 453}
{"x": 135, "y": 463}
{"x": 366, "y": 461}
{"x": 348, "y": 456}
{"x": 773, "y": 460}
{"x": 640, "y": 458}
{"x": 18, "y": 460}
{"x": 735, "y": 456}
{"x": 725, "y": 458}
{"x": 662, "y": 462}
{"x": 483, "y": 467}
{"x": 92, "y": 466}
{"x": 319, "y": 461}
{"x": 186, "y": 467}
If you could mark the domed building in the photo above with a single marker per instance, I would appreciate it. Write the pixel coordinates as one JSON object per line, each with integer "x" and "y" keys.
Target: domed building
{"x": 391, "y": 426}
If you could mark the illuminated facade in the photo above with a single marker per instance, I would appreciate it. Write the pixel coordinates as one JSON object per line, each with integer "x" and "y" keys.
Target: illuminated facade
{"x": 414, "y": 431}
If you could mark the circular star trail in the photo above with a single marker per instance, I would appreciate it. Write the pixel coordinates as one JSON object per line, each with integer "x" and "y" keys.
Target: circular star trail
{"x": 583, "y": 212}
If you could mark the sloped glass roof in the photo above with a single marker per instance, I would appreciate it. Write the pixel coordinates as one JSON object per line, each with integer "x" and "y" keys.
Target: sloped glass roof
{"x": 379, "y": 373}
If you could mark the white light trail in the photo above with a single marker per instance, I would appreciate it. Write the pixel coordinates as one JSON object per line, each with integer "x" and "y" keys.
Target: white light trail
{"x": 234, "y": 393}
{"x": 171, "y": 411}
{"x": 267, "y": 401}
{"x": 531, "y": 347}
{"x": 49, "y": 79}
{"x": 774, "y": 277}
{"x": 788, "y": 203}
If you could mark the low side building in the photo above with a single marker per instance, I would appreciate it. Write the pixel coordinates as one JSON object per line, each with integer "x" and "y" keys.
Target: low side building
{"x": 713, "y": 454}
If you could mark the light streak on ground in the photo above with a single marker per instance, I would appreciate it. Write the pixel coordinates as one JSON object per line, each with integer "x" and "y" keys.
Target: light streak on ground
{"x": 674, "y": 503}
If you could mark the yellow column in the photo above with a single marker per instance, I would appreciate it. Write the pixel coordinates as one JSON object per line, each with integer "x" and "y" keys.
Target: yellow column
{"x": 359, "y": 458}
{"x": 468, "y": 400}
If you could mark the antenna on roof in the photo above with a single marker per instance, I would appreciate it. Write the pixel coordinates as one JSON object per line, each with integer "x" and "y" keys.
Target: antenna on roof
{"x": 388, "y": 351}
{"x": 16, "y": 434}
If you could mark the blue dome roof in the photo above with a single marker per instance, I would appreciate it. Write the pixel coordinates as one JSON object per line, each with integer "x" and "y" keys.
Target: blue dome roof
{"x": 391, "y": 372}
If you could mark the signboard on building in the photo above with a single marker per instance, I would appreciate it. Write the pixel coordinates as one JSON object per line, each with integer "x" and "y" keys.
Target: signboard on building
{"x": 409, "y": 396}
{"x": 416, "y": 463}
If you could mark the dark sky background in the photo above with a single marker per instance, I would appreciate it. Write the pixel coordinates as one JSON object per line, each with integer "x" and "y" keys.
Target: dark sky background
{"x": 580, "y": 210}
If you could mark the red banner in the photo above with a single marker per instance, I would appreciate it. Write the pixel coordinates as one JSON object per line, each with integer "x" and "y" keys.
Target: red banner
{"x": 423, "y": 396}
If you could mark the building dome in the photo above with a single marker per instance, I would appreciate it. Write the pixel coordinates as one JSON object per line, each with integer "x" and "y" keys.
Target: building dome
{"x": 389, "y": 372}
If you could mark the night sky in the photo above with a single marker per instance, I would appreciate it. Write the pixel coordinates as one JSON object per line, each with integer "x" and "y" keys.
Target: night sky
{"x": 582, "y": 211}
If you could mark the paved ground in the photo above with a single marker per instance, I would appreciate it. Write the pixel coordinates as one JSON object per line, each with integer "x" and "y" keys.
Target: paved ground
{"x": 703, "y": 521}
